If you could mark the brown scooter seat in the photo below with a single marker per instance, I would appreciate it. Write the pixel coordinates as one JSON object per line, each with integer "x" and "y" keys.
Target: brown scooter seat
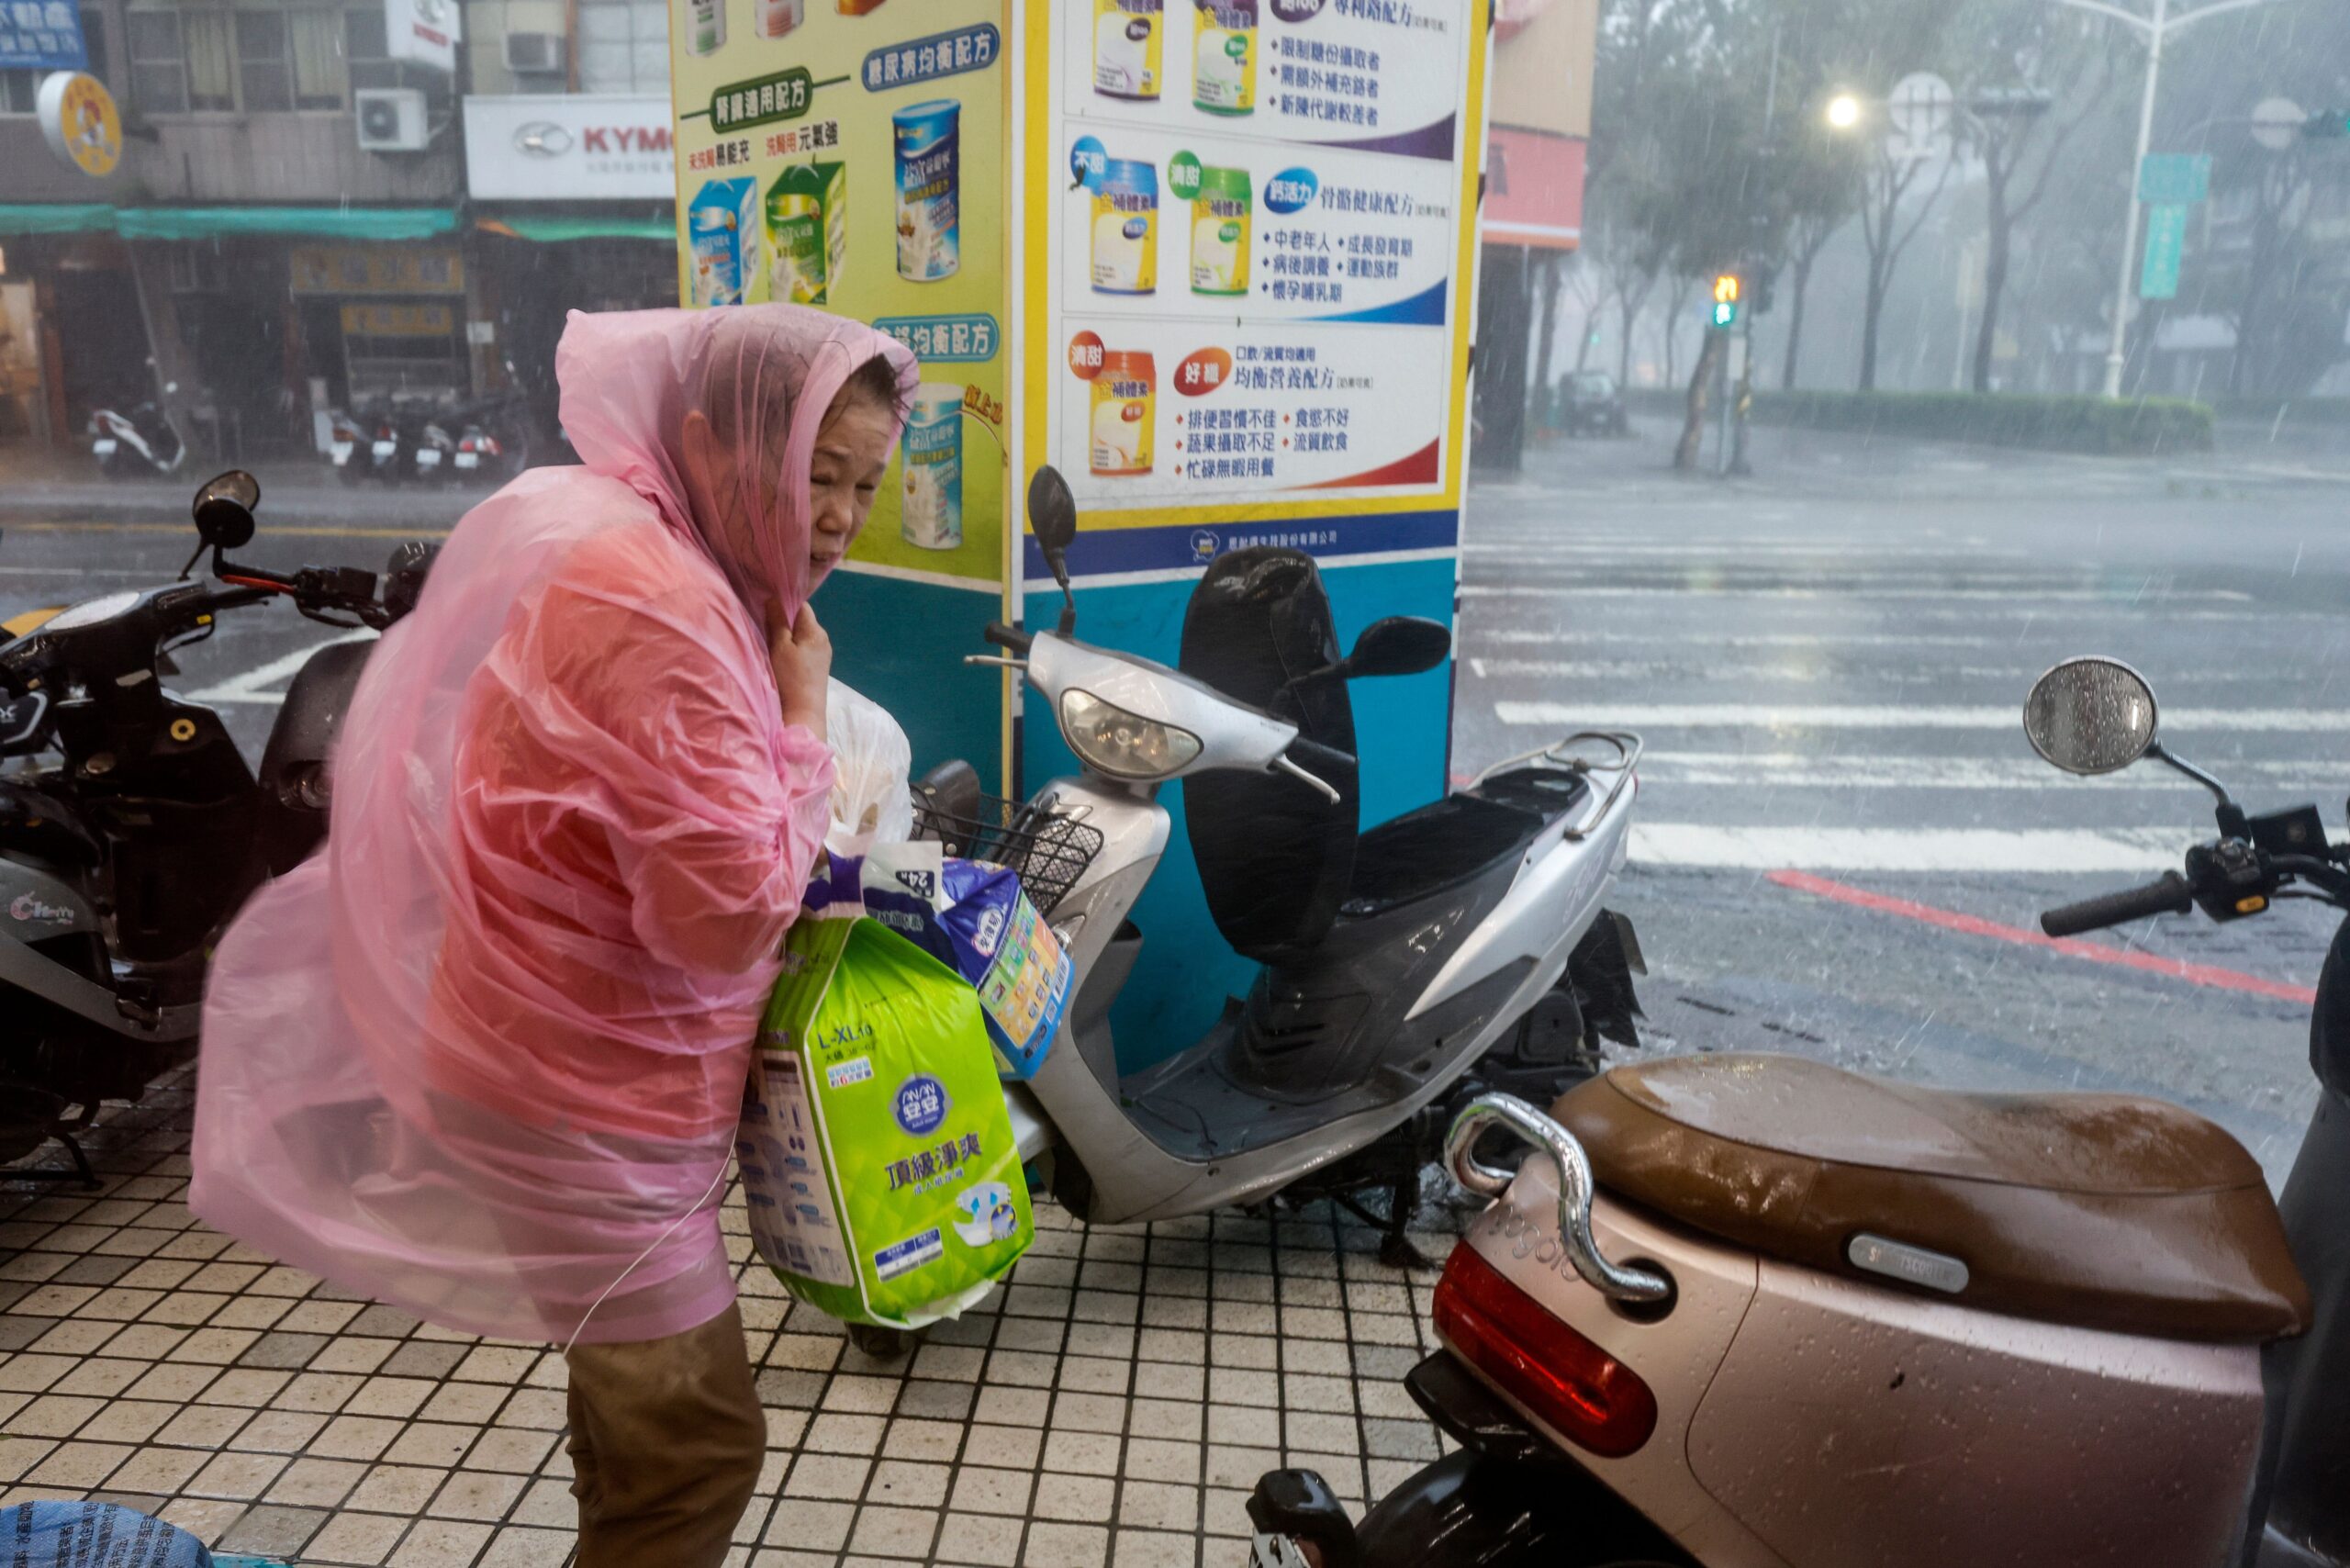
{"x": 2103, "y": 1210}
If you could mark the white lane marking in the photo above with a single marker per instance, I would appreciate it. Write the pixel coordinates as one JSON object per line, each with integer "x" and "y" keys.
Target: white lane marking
{"x": 1699, "y": 638}
{"x": 1907, "y": 849}
{"x": 151, "y": 576}
{"x": 1855, "y": 591}
{"x": 1731, "y": 550}
{"x": 1774, "y": 716}
{"x": 1829, "y": 771}
{"x": 1680, "y": 669}
{"x": 1888, "y": 673}
{"x": 249, "y": 687}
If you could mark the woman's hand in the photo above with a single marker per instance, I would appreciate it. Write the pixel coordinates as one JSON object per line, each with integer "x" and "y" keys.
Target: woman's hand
{"x": 801, "y": 656}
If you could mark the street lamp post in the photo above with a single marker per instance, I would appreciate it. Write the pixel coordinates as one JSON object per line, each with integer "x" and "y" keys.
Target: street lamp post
{"x": 2155, "y": 29}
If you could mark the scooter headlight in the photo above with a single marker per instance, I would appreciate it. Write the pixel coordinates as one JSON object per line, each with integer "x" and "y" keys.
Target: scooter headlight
{"x": 1123, "y": 744}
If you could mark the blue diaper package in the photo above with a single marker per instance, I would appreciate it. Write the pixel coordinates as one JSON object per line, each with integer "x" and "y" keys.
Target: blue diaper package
{"x": 974, "y": 918}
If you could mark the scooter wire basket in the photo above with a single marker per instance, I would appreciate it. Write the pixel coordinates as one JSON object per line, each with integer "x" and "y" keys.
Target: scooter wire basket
{"x": 1049, "y": 850}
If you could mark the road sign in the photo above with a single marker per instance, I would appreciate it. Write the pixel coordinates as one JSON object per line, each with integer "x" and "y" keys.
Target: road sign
{"x": 2172, "y": 179}
{"x": 1919, "y": 110}
{"x": 2165, "y": 244}
{"x": 2276, "y": 123}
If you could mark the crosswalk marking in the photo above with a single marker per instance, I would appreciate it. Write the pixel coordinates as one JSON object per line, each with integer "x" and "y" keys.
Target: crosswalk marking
{"x": 1862, "y": 770}
{"x": 1862, "y": 716}
{"x": 250, "y": 686}
{"x": 2113, "y": 851}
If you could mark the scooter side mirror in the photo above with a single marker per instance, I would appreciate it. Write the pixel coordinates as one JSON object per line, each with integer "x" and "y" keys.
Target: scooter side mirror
{"x": 1052, "y": 517}
{"x": 2090, "y": 716}
{"x": 1398, "y": 645}
{"x": 224, "y": 510}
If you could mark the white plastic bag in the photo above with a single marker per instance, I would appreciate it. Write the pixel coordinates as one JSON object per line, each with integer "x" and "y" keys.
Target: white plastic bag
{"x": 871, "y": 764}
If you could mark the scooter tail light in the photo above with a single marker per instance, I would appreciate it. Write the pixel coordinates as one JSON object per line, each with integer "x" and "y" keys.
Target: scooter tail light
{"x": 1569, "y": 1382}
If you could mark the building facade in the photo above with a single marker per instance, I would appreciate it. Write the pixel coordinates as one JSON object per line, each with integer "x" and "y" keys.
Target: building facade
{"x": 302, "y": 219}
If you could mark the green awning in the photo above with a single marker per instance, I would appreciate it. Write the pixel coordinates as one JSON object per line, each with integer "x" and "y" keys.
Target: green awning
{"x": 308, "y": 222}
{"x": 550, "y": 231}
{"x": 209, "y": 222}
{"x": 55, "y": 218}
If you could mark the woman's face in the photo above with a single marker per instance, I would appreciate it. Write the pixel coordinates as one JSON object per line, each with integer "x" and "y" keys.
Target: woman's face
{"x": 844, "y": 475}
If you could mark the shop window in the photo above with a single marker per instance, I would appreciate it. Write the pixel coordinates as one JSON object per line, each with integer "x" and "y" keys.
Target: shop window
{"x": 623, "y": 46}
{"x": 259, "y": 62}
{"x": 159, "y": 74}
{"x": 290, "y": 59}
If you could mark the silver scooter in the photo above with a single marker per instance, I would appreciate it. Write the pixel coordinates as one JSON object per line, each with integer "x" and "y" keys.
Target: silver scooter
{"x": 1395, "y": 960}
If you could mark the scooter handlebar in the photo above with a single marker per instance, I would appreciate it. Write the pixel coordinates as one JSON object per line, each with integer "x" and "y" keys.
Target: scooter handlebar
{"x": 1005, "y": 637}
{"x": 2172, "y": 895}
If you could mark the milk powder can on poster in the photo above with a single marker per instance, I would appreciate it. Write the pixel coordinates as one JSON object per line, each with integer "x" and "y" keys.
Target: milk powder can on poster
{"x": 1224, "y": 69}
{"x": 1126, "y": 47}
{"x": 722, "y": 229}
{"x": 1126, "y": 228}
{"x": 1123, "y": 397}
{"x": 930, "y": 509}
{"x": 807, "y": 231}
{"x": 705, "y": 26}
{"x": 929, "y": 140}
{"x": 777, "y": 18}
{"x": 1220, "y": 223}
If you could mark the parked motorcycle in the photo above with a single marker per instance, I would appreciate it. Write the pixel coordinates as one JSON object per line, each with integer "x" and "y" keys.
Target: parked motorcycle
{"x": 1395, "y": 961}
{"x": 131, "y": 828}
{"x": 350, "y": 447}
{"x": 433, "y": 450}
{"x": 144, "y": 440}
{"x": 493, "y": 438}
{"x": 1754, "y": 1310}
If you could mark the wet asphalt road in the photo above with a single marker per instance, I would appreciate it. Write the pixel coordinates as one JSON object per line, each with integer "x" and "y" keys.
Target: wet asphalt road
{"x": 1827, "y": 664}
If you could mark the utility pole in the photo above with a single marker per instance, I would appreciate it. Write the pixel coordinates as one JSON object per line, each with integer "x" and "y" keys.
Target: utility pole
{"x": 2155, "y": 29}
{"x": 1740, "y": 403}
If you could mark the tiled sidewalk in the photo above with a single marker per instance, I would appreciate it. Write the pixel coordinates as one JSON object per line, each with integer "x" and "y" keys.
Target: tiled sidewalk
{"x": 1110, "y": 1407}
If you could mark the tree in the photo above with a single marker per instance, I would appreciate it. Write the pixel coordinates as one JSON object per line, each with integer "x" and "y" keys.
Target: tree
{"x": 2020, "y": 130}
{"x": 2270, "y": 264}
{"x": 1887, "y": 191}
{"x": 1805, "y": 240}
{"x": 1538, "y": 391}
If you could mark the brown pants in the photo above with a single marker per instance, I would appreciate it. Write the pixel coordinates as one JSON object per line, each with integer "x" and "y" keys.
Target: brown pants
{"x": 667, "y": 1442}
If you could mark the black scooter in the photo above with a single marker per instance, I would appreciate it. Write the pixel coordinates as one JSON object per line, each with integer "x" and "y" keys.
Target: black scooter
{"x": 131, "y": 829}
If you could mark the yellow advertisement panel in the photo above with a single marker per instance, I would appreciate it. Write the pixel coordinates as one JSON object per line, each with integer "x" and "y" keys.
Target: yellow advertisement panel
{"x": 851, "y": 155}
{"x": 378, "y": 269}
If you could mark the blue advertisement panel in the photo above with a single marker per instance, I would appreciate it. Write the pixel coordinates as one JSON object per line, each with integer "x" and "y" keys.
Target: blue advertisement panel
{"x": 42, "y": 35}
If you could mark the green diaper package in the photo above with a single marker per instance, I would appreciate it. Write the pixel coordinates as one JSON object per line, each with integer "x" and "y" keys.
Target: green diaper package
{"x": 876, "y": 1151}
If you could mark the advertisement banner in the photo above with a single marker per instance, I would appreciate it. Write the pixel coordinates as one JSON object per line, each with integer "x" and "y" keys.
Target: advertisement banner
{"x": 42, "y": 35}
{"x": 1257, "y": 219}
{"x": 80, "y": 122}
{"x": 425, "y": 31}
{"x": 570, "y": 147}
{"x": 850, "y": 154}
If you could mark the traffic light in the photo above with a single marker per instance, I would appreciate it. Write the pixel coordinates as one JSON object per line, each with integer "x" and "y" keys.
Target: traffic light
{"x": 1726, "y": 289}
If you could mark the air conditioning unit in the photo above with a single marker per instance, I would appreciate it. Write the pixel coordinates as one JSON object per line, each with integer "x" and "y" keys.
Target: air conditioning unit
{"x": 391, "y": 120}
{"x": 534, "y": 54}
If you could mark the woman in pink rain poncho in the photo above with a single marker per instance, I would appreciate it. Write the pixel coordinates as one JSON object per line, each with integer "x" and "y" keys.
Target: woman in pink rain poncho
{"x": 483, "y": 1056}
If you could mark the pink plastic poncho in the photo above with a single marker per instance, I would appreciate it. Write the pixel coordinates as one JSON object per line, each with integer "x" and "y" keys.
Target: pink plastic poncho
{"x": 483, "y": 1056}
